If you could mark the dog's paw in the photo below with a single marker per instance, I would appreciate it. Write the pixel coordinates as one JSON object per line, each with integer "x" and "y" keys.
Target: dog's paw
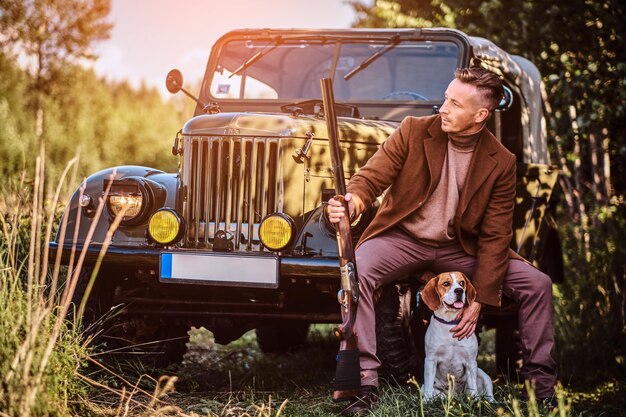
{"x": 429, "y": 395}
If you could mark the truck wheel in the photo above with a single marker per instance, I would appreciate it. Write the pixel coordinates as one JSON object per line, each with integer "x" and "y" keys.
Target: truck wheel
{"x": 551, "y": 259}
{"x": 121, "y": 335}
{"x": 399, "y": 335}
{"x": 173, "y": 345}
{"x": 98, "y": 304}
{"x": 154, "y": 343}
{"x": 281, "y": 336}
{"x": 508, "y": 348}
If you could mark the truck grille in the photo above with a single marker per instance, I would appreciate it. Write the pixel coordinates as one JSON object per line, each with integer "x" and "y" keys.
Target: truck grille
{"x": 229, "y": 185}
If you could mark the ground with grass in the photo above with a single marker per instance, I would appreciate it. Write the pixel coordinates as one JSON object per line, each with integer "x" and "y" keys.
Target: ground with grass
{"x": 239, "y": 380}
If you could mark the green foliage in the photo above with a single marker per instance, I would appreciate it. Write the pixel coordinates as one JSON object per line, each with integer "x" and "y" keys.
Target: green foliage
{"x": 51, "y": 34}
{"x": 52, "y": 98}
{"x": 590, "y": 304}
{"x": 16, "y": 126}
{"x": 109, "y": 123}
{"x": 58, "y": 30}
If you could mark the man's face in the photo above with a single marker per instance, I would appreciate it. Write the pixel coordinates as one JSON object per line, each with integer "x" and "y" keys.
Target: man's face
{"x": 462, "y": 111}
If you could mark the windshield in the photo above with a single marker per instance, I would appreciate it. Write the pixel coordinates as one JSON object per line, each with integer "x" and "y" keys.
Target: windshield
{"x": 292, "y": 69}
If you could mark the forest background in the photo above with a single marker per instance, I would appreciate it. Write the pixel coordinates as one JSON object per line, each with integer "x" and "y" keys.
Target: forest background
{"x": 55, "y": 107}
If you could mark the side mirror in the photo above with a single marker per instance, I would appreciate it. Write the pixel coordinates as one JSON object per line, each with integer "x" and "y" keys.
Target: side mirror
{"x": 174, "y": 81}
{"x": 174, "y": 84}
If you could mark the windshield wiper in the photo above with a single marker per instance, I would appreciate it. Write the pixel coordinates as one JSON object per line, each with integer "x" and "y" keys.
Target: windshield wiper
{"x": 254, "y": 58}
{"x": 393, "y": 42}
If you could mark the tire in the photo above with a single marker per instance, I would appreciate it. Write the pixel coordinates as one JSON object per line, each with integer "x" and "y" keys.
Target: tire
{"x": 97, "y": 306}
{"x": 119, "y": 334}
{"x": 282, "y": 336}
{"x": 153, "y": 343}
{"x": 551, "y": 259}
{"x": 169, "y": 346}
{"x": 508, "y": 348}
{"x": 399, "y": 334}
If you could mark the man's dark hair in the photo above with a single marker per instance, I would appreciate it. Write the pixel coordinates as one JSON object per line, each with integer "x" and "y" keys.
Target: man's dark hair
{"x": 487, "y": 82}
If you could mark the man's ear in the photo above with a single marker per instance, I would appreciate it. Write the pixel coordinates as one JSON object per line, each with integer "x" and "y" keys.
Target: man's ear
{"x": 481, "y": 115}
{"x": 430, "y": 296}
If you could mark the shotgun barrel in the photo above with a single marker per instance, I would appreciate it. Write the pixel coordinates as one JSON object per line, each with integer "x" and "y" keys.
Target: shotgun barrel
{"x": 347, "y": 376}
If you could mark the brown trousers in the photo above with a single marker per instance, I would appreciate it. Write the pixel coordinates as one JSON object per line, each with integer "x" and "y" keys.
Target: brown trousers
{"x": 392, "y": 255}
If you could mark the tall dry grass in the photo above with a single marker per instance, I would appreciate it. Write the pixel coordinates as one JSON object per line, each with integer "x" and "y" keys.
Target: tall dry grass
{"x": 40, "y": 354}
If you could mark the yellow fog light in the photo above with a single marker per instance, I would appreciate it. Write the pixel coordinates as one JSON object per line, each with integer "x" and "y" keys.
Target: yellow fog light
{"x": 276, "y": 231}
{"x": 165, "y": 226}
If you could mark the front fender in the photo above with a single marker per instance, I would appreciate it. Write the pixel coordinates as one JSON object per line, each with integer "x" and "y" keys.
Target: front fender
{"x": 77, "y": 221}
{"x": 317, "y": 236}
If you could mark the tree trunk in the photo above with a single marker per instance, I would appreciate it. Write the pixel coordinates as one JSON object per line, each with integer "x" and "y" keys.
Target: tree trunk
{"x": 583, "y": 232}
{"x": 606, "y": 163}
{"x": 564, "y": 179}
{"x": 596, "y": 171}
{"x": 565, "y": 182}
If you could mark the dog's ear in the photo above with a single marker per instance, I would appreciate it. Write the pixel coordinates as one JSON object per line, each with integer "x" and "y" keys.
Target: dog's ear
{"x": 430, "y": 296}
{"x": 470, "y": 291}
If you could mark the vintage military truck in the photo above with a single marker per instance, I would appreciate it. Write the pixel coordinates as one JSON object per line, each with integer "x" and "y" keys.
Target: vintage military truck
{"x": 235, "y": 239}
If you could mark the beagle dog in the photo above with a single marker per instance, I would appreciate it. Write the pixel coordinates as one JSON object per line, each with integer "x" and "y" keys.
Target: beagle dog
{"x": 449, "y": 360}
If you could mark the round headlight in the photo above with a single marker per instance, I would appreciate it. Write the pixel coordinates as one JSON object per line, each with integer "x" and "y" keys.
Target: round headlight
{"x": 128, "y": 197}
{"x": 276, "y": 231}
{"x": 131, "y": 203}
{"x": 165, "y": 226}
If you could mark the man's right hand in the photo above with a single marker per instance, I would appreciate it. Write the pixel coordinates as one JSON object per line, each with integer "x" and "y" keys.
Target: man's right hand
{"x": 335, "y": 209}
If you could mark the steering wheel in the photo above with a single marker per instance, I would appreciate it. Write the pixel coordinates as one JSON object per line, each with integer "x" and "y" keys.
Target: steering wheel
{"x": 412, "y": 94}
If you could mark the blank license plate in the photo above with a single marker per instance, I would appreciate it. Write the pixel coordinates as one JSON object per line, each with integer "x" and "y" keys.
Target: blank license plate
{"x": 212, "y": 268}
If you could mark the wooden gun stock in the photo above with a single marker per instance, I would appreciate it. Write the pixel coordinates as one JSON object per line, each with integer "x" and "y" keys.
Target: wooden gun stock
{"x": 347, "y": 376}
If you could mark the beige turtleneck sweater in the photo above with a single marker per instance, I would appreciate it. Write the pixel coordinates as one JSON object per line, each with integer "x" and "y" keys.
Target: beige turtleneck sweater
{"x": 433, "y": 222}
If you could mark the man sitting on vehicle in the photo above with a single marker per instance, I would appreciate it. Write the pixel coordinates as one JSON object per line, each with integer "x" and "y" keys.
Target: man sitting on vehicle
{"x": 449, "y": 207}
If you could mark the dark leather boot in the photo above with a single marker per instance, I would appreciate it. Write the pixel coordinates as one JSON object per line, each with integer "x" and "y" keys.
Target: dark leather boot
{"x": 364, "y": 402}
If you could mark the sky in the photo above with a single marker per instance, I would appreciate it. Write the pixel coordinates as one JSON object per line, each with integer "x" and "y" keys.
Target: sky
{"x": 150, "y": 37}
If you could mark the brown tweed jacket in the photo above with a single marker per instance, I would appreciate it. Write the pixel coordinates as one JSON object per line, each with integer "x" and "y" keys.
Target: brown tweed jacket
{"x": 409, "y": 165}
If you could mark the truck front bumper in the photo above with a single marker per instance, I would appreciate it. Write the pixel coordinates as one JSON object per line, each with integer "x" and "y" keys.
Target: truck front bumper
{"x": 307, "y": 287}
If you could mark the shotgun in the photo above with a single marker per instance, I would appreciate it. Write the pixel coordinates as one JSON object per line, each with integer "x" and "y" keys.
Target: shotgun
{"x": 347, "y": 382}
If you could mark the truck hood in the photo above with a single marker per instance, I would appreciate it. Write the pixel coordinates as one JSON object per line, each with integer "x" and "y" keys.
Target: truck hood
{"x": 284, "y": 125}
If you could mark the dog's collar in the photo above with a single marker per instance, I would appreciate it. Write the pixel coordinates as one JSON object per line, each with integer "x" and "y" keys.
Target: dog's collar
{"x": 451, "y": 322}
